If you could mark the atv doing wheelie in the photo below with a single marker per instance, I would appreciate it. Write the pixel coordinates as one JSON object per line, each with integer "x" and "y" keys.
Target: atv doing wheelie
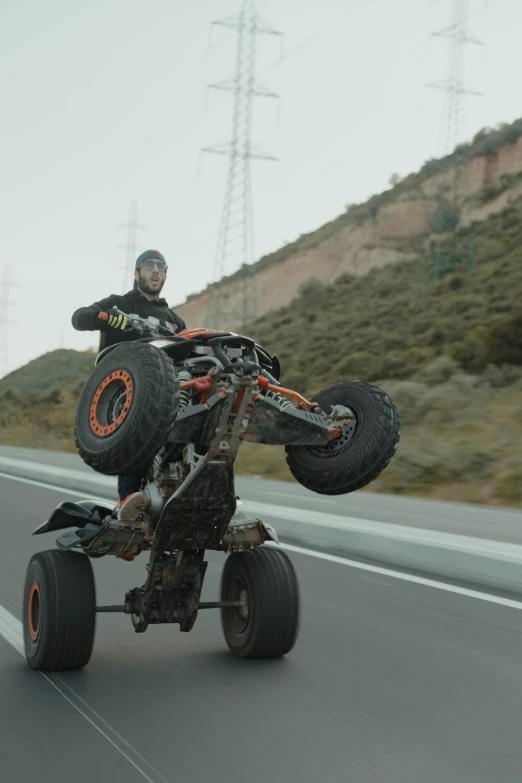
{"x": 177, "y": 408}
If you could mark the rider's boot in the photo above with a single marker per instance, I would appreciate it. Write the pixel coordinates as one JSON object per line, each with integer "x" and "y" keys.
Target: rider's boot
{"x": 131, "y": 509}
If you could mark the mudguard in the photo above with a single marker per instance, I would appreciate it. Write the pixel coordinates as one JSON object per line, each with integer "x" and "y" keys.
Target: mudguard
{"x": 80, "y": 514}
{"x": 176, "y": 347}
{"x": 79, "y": 536}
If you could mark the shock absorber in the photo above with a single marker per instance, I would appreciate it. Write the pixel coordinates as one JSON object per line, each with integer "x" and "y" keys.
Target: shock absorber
{"x": 281, "y": 400}
{"x": 184, "y": 395}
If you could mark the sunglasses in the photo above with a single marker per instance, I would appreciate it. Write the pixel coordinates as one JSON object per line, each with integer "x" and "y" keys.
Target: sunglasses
{"x": 149, "y": 263}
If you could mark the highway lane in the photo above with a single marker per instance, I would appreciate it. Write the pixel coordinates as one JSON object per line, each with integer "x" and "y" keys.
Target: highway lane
{"x": 43, "y": 738}
{"x": 389, "y": 681}
{"x": 466, "y": 519}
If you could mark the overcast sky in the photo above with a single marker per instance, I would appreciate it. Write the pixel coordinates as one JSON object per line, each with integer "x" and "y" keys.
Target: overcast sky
{"x": 105, "y": 102}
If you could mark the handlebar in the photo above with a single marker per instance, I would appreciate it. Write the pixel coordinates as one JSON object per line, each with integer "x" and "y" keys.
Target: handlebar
{"x": 156, "y": 328}
{"x": 152, "y": 326}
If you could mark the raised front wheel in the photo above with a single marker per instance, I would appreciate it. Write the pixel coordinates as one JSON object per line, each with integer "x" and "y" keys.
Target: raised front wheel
{"x": 126, "y": 409}
{"x": 366, "y": 446}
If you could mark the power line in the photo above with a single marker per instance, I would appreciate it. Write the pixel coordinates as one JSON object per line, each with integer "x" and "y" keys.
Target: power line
{"x": 174, "y": 153}
{"x": 443, "y": 255}
{"x": 306, "y": 42}
{"x": 324, "y": 166}
{"x": 235, "y": 238}
{"x": 131, "y": 247}
{"x": 320, "y": 33}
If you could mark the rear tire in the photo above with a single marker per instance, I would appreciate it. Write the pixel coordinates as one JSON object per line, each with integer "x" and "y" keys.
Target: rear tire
{"x": 268, "y": 623}
{"x": 59, "y": 613}
{"x": 361, "y": 454}
{"x": 126, "y": 409}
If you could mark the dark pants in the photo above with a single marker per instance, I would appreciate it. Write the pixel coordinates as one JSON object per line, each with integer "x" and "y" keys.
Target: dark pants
{"x": 128, "y": 483}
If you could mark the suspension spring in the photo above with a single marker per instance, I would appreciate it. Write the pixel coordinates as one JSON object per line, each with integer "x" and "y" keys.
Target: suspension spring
{"x": 282, "y": 401}
{"x": 184, "y": 394}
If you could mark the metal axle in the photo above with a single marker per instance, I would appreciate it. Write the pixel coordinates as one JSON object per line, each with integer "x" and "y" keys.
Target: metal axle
{"x": 204, "y": 605}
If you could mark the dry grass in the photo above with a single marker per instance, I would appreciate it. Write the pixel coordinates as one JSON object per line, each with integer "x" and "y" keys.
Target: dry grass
{"x": 460, "y": 441}
{"x": 449, "y": 355}
{"x": 460, "y": 436}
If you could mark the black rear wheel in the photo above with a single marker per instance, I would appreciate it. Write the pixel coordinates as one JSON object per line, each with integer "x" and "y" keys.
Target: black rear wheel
{"x": 59, "y": 612}
{"x": 366, "y": 446}
{"x": 126, "y": 409}
{"x": 266, "y": 624}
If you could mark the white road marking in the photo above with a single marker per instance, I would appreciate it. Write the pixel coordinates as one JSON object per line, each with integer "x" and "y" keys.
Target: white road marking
{"x": 12, "y": 631}
{"x": 106, "y": 736}
{"x": 380, "y": 582}
{"x": 420, "y": 580}
{"x": 297, "y": 497}
{"x": 44, "y": 485}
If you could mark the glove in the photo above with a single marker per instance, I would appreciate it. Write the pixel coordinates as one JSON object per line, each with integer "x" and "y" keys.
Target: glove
{"x": 116, "y": 321}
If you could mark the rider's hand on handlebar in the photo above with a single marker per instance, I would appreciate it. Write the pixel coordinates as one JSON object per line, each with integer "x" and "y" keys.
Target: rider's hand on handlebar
{"x": 117, "y": 321}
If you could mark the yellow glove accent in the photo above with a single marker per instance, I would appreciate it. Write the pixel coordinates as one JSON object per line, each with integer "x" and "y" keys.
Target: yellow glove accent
{"x": 117, "y": 321}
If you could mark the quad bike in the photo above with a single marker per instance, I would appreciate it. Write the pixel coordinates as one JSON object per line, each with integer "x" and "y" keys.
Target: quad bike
{"x": 176, "y": 408}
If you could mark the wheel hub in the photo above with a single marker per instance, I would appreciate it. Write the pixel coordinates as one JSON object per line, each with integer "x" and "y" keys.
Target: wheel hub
{"x": 33, "y": 610}
{"x": 240, "y": 615}
{"x": 349, "y": 421}
{"x": 243, "y": 609}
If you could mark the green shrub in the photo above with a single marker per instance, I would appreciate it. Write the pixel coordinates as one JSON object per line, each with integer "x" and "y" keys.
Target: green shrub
{"x": 437, "y": 371}
{"x": 507, "y": 484}
{"x": 498, "y": 376}
{"x": 503, "y": 340}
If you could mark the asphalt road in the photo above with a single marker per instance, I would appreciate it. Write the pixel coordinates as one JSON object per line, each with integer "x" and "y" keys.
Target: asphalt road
{"x": 389, "y": 681}
{"x": 487, "y": 522}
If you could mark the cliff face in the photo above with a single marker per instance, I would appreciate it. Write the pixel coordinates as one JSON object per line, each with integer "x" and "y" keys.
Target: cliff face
{"x": 392, "y": 232}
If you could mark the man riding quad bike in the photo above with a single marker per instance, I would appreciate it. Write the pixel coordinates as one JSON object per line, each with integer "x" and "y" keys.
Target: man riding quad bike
{"x": 174, "y": 409}
{"x": 144, "y": 300}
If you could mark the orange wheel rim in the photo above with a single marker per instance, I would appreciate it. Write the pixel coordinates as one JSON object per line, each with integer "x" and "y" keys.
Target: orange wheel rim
{"x": 118, "y": 378}
{"x": 33, "y": 611}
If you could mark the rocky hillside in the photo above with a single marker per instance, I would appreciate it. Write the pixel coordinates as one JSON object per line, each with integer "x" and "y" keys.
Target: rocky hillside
{"x": 449, "y": 354}
{"x": 485, "y": 176}
{"x": 395, "y": 321}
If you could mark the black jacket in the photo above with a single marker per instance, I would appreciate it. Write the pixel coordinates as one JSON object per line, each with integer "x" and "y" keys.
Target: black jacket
{"x": 85, "y": 319}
